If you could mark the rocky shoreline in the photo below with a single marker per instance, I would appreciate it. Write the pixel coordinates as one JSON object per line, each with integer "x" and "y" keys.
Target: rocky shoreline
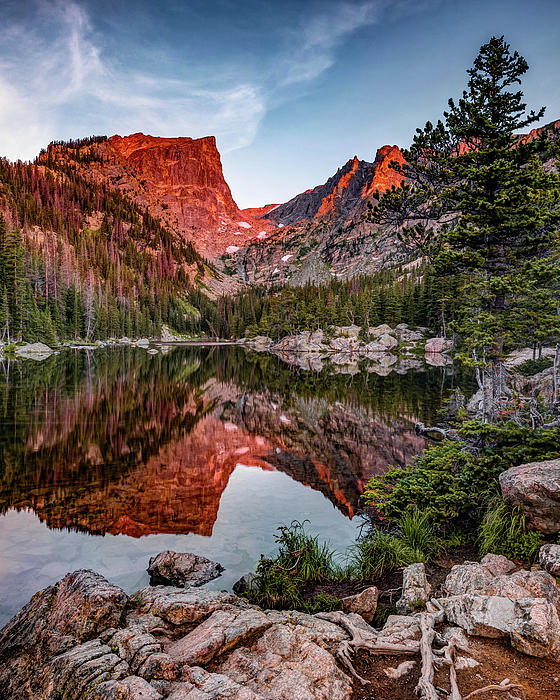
{"x": 85, "y": 638}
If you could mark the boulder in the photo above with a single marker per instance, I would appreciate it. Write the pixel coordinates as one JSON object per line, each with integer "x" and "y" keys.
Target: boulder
{"x": 438, "y": 345}
{"x": 482, "y": 615}
{"x": 498, "y": 565}
{"x": 48, "y": 652}
{"x": 347, "y": 331}
{"x": 536, "y": 628}
{"x": 259, "y": 342}
{"x": 51, "y": 643}
{"x": 35, "y": 351}
{"x": 143, "y": 342}
{"x": 378, "y": 331}
{"x": 284, "y": 664}
{"x": 540, "y": 384}
{"x": 536, "y": 488}
{"x": 304, "y": 342}
{"x": 475, "y": 402}
{"x": 223, "y": 630}
{"x": 436, "y": 359}
{"x": 182, "y": 569}
{"x": 364, "y": 603}
{"x": 408, "y": 336}
{"x": 343, "y": 344}
{"x": 373, "y": 349}
{"x": 525, "y": 584}
{"x": 388, "y": 341}
{"x": 416, "y": 589}
{"x": 467, "y": 577}
{"x": 471, "y": 576}
{"x": 182, "y": 607}
{"x": 134, "y": 645}
{"x": 242, "y": 585}
{"x": 549, "y": 558}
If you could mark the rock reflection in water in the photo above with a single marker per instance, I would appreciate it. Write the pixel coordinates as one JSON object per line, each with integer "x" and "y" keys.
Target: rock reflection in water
{"x": 117, "y": 441}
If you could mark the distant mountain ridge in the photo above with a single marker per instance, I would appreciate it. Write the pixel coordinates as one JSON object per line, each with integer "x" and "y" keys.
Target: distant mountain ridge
{"x": 324, "y": 231}
{"x": 343, "y": 194}
{"x": 317, "y": 234}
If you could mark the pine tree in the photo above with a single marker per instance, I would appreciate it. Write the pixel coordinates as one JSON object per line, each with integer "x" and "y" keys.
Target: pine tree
{"x": 478, "y": 202}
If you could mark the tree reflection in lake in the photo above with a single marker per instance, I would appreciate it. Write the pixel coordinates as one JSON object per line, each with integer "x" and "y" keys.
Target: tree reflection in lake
{"x": 120, "y": 441}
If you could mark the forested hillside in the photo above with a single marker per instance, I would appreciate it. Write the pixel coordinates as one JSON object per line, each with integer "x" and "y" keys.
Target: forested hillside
{"x": 413, "y": 296}
{"x": 78, "y": 259}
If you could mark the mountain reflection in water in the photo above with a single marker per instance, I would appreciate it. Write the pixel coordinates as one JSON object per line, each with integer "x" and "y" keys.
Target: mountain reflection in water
{"x": 119, "y": 441}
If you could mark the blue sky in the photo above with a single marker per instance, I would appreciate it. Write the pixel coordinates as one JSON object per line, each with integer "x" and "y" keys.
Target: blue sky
{"x": 291, "y": 88}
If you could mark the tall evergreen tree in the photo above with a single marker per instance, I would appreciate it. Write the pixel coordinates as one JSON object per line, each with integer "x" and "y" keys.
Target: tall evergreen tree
{"x": 478, "y": 201}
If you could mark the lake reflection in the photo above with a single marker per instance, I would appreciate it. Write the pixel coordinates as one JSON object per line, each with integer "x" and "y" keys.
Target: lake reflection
{"x": 118, "y": 442}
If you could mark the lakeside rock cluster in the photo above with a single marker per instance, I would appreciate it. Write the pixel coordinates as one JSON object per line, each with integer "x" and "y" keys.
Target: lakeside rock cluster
{"x": 344, "y": 346}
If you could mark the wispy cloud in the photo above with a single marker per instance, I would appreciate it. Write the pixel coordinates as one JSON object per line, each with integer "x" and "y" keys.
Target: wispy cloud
{"x": 319, "y": 37}
{"x": 60, "y": 83}
{"x": 66, "y": 84}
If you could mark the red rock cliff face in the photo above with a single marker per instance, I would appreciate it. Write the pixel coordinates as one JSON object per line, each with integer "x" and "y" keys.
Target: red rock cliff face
{"x": 384, "y": 176}
{"x": 344, "y": 196}
{"x": 180, "y": 181}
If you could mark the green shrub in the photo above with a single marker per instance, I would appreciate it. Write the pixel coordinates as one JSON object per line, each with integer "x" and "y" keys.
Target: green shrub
{"x": 532, "y": 367}
{"x": 449, "y": 480}
{"x": 503, "y": 531}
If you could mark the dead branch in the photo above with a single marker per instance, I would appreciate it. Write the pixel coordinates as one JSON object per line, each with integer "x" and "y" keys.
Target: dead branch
{"x": 426, "y": 431}
{"x": 555, "y": 374}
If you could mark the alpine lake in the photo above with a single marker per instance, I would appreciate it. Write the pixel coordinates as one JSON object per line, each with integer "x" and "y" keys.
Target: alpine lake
{"x": 110, "y": 456}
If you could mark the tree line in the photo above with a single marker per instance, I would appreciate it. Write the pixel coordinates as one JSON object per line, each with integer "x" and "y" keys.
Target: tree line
{"x": 78, "y": 259}
{"x": 416, "y": 297}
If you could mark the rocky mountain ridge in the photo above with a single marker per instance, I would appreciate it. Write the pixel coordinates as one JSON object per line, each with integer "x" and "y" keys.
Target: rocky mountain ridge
{"x": 320, "y": 233}
{"x": 179, "y": 180}
{"x": 324, "y": 231}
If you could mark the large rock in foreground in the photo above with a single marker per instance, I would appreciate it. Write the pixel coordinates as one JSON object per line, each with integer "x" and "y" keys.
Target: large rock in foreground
{"x": 84, "y": 638}
{"x": 536, "y": 488}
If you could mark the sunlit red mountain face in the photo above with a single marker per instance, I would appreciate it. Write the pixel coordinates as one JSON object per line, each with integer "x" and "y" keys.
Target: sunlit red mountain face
{"x": 179, "y": 180}
{"x": 344, "y": 195}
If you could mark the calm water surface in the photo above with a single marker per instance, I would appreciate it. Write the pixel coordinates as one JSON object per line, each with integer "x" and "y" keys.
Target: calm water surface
{"x": 108, "y": 457}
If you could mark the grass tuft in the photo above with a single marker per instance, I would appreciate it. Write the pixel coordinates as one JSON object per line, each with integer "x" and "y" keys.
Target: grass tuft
{"x": 419, "y": 534}
{"x": 503, "y": 531}
{"x": 380, "y": 552}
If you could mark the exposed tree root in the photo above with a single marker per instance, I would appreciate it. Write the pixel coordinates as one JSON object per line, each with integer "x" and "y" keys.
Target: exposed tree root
{"x": 425, "y": 688}
{"x": 363, "y": 639}
{"x": 360, "y": 639}
{"x": 505, "y": 686}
